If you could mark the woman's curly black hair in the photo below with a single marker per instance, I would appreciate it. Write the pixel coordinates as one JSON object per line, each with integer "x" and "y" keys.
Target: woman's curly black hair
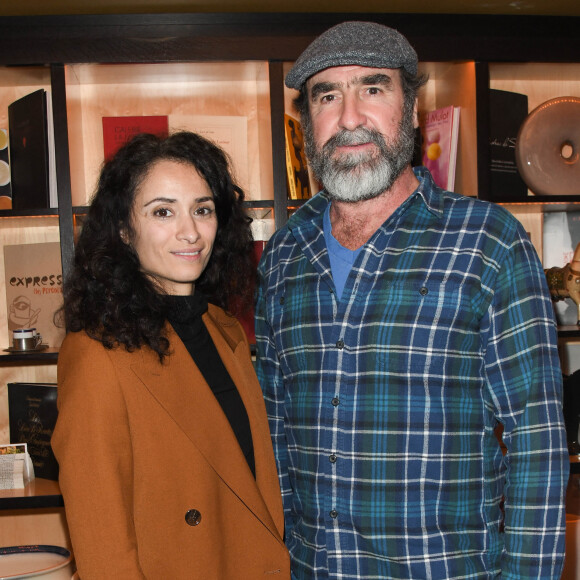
{"x": 106, "y": 294}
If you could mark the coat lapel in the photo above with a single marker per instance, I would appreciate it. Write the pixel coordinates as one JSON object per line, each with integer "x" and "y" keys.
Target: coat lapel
{"x": 221, "y": 327}
{"x": 181, "y": 390}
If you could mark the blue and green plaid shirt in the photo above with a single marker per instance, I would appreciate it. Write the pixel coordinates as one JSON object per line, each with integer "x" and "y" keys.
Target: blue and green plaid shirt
{"x": 383, "y": 404}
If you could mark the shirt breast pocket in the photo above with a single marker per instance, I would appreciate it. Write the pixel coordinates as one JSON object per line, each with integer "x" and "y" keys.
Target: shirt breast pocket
{"x": 424, "y": 321}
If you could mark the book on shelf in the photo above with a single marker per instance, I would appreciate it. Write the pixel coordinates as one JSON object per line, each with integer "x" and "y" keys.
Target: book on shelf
{"x": 230, "y": 133}
{"x": 32, "y": 414}
{"x": 297, "y": 175}
{"x": 33, "y": 281}
{"x": 418, "y": 148}
{"x": 31, "y": 152}
{"x": 5, "y": 189}
{"x": 440, "y": 141}
{"x": 507, "y": 112}
{"x": 118, "y": 130}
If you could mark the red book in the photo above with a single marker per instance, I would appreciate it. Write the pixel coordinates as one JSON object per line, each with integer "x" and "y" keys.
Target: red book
{"x": 118, "y": 130}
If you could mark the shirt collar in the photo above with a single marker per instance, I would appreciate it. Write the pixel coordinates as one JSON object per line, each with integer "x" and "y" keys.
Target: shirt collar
{"x": 430, "y": 193}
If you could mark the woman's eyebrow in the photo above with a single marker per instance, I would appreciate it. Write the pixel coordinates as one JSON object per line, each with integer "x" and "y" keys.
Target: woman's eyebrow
{"x": 173, "y": 200}
{"x": 160, "y": 199}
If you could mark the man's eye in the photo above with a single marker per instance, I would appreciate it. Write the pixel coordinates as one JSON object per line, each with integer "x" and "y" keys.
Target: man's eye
{"x": 374, "y": 90}
{"x": 327, "y": 98}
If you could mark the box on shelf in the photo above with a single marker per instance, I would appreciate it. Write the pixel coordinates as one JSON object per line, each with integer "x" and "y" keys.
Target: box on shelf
{"x": 16, "y": 469}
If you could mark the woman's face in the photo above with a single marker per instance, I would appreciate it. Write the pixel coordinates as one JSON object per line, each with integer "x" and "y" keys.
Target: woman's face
{"x": 175, "y": 226}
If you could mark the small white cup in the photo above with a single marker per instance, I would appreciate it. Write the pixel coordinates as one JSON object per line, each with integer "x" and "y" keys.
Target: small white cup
{"x": 25, "y": 339}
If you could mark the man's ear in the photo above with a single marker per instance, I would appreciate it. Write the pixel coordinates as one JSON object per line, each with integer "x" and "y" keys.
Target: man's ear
{"x": 416, "y": 113}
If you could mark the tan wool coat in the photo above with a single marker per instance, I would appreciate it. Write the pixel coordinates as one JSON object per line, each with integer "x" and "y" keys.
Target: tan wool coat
{"x": 154, "y": 482}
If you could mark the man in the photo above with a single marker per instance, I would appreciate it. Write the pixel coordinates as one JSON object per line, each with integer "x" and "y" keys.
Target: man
{"x": 397, "y": 326}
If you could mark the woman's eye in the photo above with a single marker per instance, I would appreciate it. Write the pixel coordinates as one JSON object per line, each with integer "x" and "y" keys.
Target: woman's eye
{"x": 204, "y": 211}
{"x": 162, "y": 212}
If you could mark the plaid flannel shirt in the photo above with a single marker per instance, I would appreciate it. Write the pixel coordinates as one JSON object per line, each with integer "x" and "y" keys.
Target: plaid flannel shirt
{"x": 383, "y": 403}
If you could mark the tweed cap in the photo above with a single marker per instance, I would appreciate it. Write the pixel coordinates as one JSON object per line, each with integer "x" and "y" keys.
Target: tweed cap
{"x": 358, "y": 43}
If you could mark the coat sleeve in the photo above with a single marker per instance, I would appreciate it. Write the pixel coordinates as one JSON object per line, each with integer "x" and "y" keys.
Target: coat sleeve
{"x": 92, "y": 443}
{"x": 523, "y": 373}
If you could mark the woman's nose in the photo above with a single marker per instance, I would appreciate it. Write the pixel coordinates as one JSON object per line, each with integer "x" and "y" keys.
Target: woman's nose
{"x": 187, "y": 230}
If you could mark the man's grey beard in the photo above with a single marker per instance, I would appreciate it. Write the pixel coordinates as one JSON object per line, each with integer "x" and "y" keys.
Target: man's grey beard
{"x": 359, "y": 176}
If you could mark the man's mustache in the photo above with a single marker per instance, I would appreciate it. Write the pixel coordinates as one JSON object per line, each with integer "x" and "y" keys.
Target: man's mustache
{"x": 358, "y": 136}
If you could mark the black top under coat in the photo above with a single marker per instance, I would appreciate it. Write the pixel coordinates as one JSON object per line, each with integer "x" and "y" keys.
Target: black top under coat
{"x": 184, "y": 314}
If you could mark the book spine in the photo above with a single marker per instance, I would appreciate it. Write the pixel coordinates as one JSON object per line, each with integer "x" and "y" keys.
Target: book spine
{"x": 290, "y": 173}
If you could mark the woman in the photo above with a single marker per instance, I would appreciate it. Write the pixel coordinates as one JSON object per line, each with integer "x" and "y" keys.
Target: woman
{"x": 166, "y": 464}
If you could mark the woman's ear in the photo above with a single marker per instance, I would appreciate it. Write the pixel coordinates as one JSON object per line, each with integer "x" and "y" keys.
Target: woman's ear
{"x": 124, "y": 235}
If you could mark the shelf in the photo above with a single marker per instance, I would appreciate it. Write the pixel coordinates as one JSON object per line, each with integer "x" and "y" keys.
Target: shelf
{"x": 40, "y": 493}
{"x": 33, "y": 213}
{"x": 546, "y": 203}
{"x": 48, "y": 356}
{"x": 570, "y": 331}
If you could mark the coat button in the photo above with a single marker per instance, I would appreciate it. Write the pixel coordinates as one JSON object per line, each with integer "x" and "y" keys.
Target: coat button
{"x": 193, "y": 517}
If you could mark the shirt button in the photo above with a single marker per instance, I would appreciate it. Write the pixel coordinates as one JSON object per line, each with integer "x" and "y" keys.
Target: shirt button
{"x": 332, "y": 458}
{"x": 340, "y": 344}
{"x": 333, "y": 514}
{"x": 423, "y": 291}
{"x": 335, "y": 401}
{"x": 281, "y": 300}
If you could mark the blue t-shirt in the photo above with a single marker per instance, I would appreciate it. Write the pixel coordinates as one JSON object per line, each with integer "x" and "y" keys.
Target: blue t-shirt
{"x": 341, "y": 258}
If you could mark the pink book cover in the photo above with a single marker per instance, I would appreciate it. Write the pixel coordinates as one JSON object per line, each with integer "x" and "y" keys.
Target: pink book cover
{"x": 440, "y": 131}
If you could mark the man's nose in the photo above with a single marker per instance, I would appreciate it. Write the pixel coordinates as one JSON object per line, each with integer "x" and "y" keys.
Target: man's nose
{"x": 352, "y": 115}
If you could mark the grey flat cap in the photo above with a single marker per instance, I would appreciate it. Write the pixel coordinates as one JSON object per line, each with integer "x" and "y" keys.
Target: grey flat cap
{"x": 359, "y": 43}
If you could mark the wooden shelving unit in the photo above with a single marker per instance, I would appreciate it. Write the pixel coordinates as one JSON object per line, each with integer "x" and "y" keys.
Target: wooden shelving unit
{"x": 234, "y": 64}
